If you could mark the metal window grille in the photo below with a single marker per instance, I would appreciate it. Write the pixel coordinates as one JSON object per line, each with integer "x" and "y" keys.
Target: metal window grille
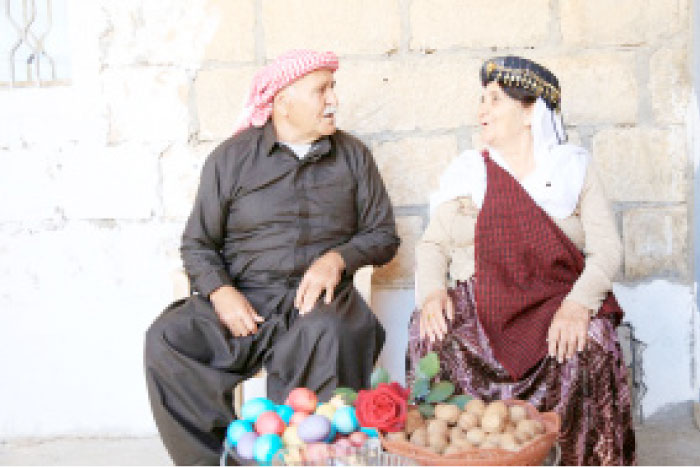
{"x": 34, "y": 43}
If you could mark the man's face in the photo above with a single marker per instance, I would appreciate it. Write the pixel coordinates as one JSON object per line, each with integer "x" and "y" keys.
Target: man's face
{"x": 310, "y": 105}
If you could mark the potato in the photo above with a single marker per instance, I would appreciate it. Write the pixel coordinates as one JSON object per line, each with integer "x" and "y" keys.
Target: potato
{"x": 517, "y": 413}
{"x": 476, "y": 436}
{"x": 506, "y": 439}
{"x": 468, "y": 420}
{"x": 475, "y": 406}
{"x": 456, "y": 433}
{"x": 526, "y": 426}
{"x": 419, "y": 437}
{"x": 414, "y": 420}
{"x": 452, "y": 449}
{"x": 521, "y": 437}
{"x": 489, "y": 444}
{"x": 395, "y": 436}
{"x": 463, "y": 444}
{"x": 437, "y": 442}
{"x": 511, "y": 446}
{"x": 492, "y": 438}
{"x": 497, "y": 407}
{"x": 448, "y": 413}
{"x": 492, "y": 422}
{"x": 437, "y": 426}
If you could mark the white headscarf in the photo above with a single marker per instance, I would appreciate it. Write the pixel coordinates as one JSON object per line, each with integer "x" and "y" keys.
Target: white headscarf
{"x": 555, "y": 183}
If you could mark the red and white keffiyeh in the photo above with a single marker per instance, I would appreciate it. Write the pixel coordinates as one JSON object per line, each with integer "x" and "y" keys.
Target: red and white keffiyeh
{"x": 269, "y": 80}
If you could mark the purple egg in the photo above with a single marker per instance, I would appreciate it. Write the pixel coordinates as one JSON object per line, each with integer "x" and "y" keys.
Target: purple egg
{"x": 314, "y": 428}
{"x": 245, "y": 445}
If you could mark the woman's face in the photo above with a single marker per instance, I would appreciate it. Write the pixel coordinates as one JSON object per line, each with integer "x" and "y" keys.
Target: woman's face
{"x": 502, "y": 119}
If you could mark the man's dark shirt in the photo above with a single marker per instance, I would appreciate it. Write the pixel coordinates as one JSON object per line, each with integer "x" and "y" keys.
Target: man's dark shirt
{"x": 262, "y": 216}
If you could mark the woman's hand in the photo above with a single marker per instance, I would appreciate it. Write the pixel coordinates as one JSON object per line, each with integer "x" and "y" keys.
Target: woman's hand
{"x": 436, "y": 308}
{"x": 568, "y": 330}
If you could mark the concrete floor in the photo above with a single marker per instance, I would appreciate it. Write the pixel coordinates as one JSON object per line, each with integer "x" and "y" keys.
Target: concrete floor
{"x": 670, "y": 437}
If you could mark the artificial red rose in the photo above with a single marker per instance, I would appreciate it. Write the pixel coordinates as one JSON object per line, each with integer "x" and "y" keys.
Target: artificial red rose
{"x": 383, "y": 408}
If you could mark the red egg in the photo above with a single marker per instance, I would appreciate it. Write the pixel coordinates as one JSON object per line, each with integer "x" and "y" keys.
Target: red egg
{"x": 302, "y": 399}
{"x": 357, "y": 439}
{"x": 269, "y": 422}
{"x": 297, "y": 417}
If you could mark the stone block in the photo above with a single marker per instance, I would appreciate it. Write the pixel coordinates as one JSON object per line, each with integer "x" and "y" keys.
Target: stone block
{"x": 181, "y": 168}
{"x": 641, "y": 164}
{"x": 118, "y": 182}
{"x": 357, "y": 27}
{"x": 220, "y": 95}
{"x": 597, "y": 87}
{"x": 28, "y": 185}
{"x": 656, "y": 242}
{"x": 399, "y": 272}
{"x": 178, "y": 32}
{"x": 147, "y": 104}
{"x": 426, "y": 93}
{"x": 622, "y": 22}
{"x": 441, "y": 24}
{"x": 669, "y": 85}
{"x": 411, "y": 167}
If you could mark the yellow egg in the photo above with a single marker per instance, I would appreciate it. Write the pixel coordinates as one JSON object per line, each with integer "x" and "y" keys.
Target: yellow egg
{"x": 326, "y": 410}
{"x": 290, "y": 437}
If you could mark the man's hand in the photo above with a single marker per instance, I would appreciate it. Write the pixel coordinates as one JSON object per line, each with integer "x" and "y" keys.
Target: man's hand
{"x": 323, "y": 275}
{"x": 436, "y": 308}
{"x": 568, "y": 331}
{"x": 235, "y": 311}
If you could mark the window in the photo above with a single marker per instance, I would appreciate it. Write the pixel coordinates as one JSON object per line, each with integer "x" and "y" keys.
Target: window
{"x": 34, "y": 43}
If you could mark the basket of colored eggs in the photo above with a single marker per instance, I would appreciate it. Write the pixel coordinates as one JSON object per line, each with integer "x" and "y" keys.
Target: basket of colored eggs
{"x": 300, "y": 431}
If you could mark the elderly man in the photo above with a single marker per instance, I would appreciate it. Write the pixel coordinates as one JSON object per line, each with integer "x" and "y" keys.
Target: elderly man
{"x": 287, "y": 210}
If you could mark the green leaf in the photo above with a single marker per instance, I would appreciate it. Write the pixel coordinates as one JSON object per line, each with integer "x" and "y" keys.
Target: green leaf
{"x": 429, "y": 365}
{"x": 440, "y": 392}
{"x": 460, "y": 400}
{"x": 420, "y": 388}
{"x": 347, "y": 394}
{"x": 379, "y": 375}
{"x": 427, "y": 411}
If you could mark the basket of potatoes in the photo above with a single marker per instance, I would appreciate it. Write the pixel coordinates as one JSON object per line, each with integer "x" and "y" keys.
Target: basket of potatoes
{"x": 507, "y": 432}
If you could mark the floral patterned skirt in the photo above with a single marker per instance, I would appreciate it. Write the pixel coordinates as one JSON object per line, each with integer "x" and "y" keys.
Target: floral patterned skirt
{"x": 590, "y": 391}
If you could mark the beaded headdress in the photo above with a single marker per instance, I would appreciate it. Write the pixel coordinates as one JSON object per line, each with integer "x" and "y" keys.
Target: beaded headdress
{"x": 523, "y": 73}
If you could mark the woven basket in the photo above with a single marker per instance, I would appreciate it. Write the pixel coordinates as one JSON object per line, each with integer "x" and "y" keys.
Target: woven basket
{"x": 531, "y": 454}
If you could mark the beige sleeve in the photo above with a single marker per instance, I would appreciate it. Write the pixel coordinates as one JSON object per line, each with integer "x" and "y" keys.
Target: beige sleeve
{"x": 602, "y": 248}
{"x": 433, "y": 253}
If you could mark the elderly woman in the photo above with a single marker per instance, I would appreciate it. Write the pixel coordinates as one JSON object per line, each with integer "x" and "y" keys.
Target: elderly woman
{"x": 514, "y": 271}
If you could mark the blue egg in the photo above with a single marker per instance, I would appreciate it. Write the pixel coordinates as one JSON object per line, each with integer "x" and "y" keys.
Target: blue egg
{"x": 285, "y": 412}
{"x": 236, "y": 429}
{"x": 251, "y": 409}
{"x": 314, "y": 428}
{"x": 370, "y": 431}
{"x": 345, "y": 420}
{"x": 246, "y": 444}
{"x": 331, "y": 434}
{"x": 266, "y": 446}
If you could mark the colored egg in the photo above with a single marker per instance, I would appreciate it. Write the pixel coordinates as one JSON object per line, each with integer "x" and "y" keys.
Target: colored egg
{"x": 290, "y": 437}
{"x": 326, "y": 410}
{"x": 251, "y": 409}
{"x": 370, "y": 431}
{"x": 246, "y": 444}
{"x": 314, "y": 428}
{"x": 358, "y": 439}
{"x": 266, "y": 446}
{"x": 236, "y": 429}
{"x": 302, "y": 399}
{"x": 345, "y": 420}
{"x": 285, "y": 412}
{"x": 269, "y": 422}
{"x": 331, "y": 435}
{"x": 297, "y": 417}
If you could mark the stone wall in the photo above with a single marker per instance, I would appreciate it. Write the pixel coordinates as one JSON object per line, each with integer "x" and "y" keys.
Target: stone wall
{"x": 98, "y": 176}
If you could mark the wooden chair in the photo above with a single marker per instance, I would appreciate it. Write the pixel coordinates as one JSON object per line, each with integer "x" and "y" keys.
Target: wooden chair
{"x": 363, "y": 284}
